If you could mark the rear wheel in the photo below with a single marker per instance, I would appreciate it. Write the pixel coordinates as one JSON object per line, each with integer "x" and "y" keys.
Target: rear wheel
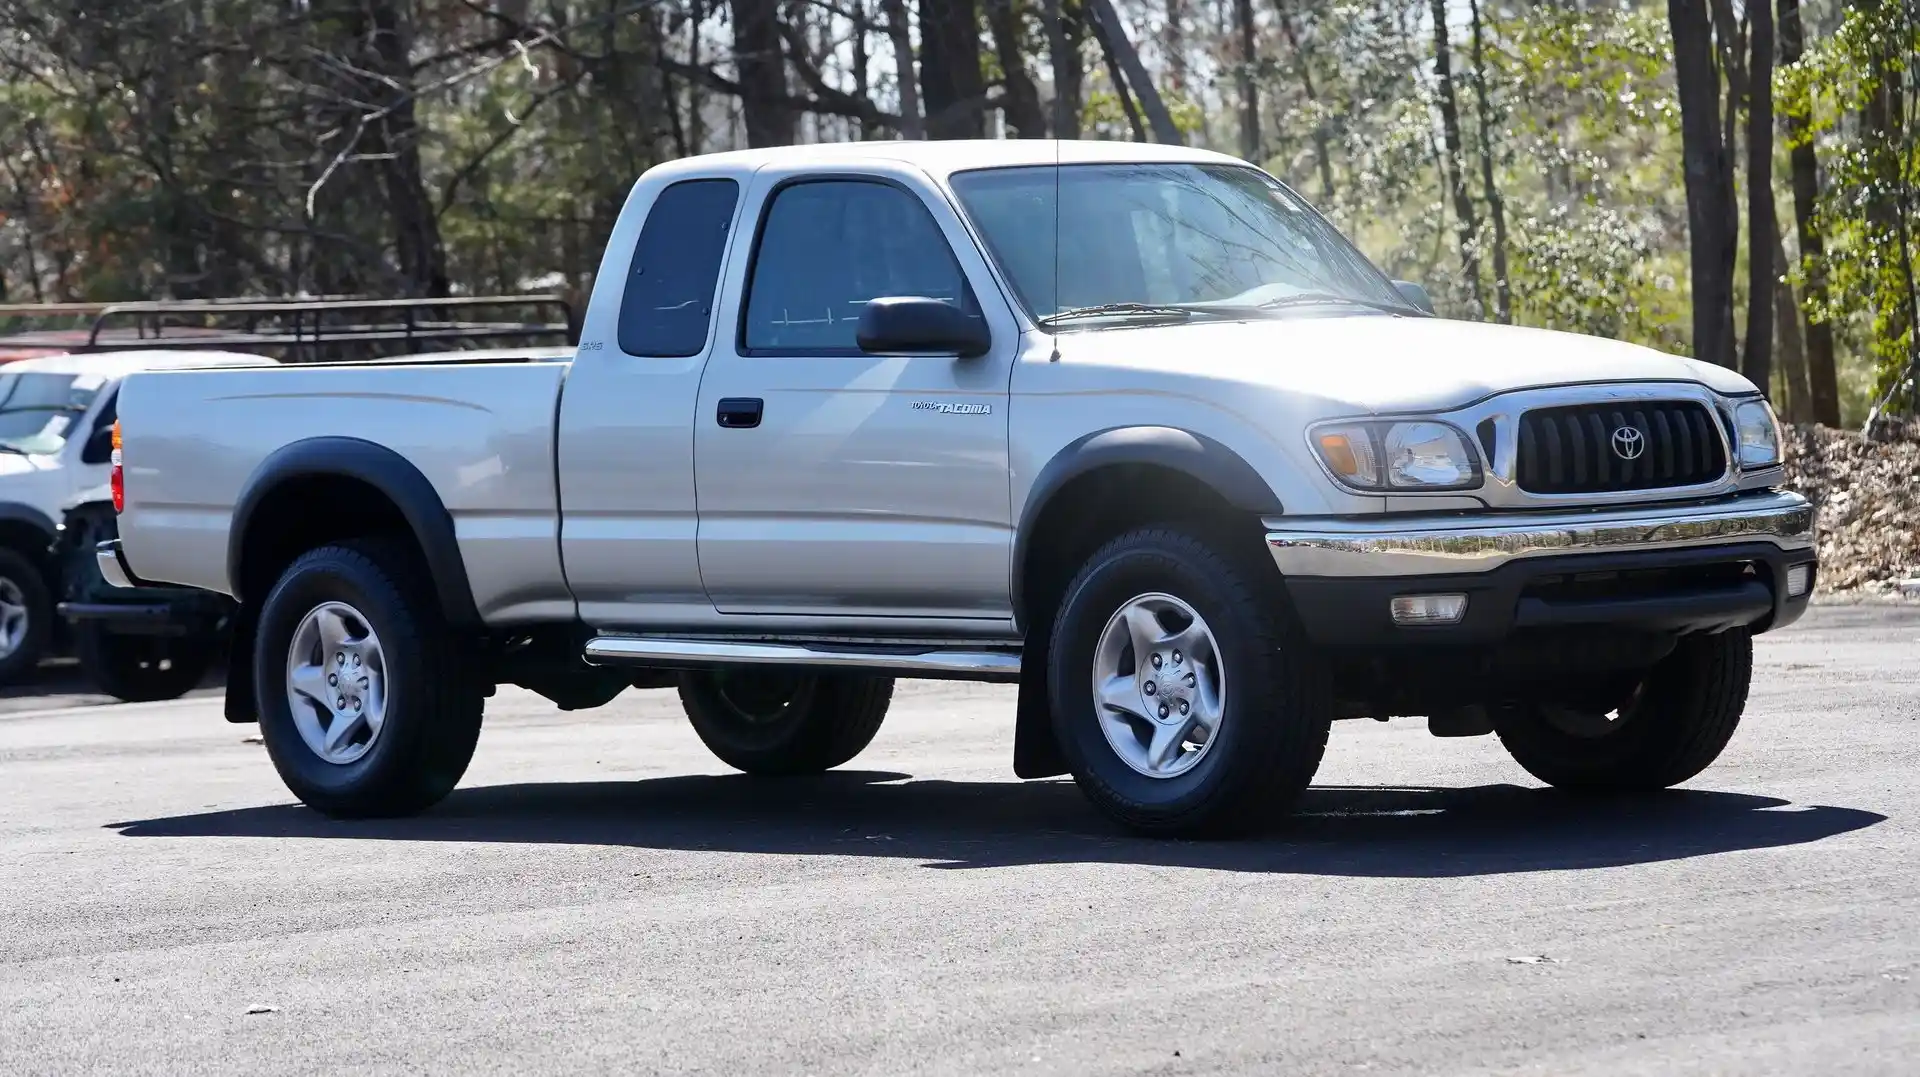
{"x": 26, "y": 616}
{"x": 1670, "y": 727}
{"x": 773, "y": 722}
{"x": 1181, "y": 701}
{"x": 368, "y": 701}
{"x": 143, "y": 668}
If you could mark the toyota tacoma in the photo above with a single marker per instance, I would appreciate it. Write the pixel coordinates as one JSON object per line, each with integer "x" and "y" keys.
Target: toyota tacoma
{"x": 1131, "y": 426}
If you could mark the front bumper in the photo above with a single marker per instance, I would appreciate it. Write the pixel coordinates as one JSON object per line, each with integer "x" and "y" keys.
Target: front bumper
{"x": 1704, "y": 566}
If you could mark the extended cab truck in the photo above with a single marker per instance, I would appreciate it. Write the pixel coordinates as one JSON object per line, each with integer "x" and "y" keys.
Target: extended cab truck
{"x": 1129, "y": 425}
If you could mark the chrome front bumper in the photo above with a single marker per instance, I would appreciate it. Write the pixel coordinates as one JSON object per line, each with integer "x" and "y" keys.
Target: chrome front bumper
{"x": 1397, "y": 546}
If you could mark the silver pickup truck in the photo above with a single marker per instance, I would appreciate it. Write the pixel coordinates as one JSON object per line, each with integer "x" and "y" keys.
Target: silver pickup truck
{"x": 1131, "y": 426}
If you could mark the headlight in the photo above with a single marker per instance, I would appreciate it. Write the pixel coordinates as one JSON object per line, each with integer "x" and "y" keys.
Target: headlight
{"x": 1757, "y": 434}
{"x": 1398, "y": 456}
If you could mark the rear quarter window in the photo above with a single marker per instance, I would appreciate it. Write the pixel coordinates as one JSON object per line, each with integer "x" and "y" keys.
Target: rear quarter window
{"x": 667, "y": 308}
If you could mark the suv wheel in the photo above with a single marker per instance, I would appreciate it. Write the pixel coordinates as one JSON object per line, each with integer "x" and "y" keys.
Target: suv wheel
{"x": 367, "y": 700}
{"x": 143, "y": 668}
{"x": 26, "y": 616}
{"x": 1670, "y": 728}
{"x": 775, "y": 722}
{"x": 1182, "y": 703}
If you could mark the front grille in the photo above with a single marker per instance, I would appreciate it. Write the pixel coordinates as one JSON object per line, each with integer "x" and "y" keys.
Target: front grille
{"x": 1581, "y": 449}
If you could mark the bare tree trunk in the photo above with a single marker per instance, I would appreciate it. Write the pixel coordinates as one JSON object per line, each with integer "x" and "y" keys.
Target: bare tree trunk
{"x": 1176, "y": 46}
{"x": 1467, "y": 221}
{"x": 911, "y": 125}
{"x": 1119, "y": 81}
{"x": 1249, "y": 89}
{"x": 1302, "y": 67}
{"x": 951, "y": 85}
{"x": 1065, "y": 32}
{"x": 1793, "y": 348}
{"x": 696, "y": 99}
{"x": 395, "y": 141}
{"x": 1496, "y": 205}
{"x": 761, "y": 68}
{"x": 1710, "y": 217}
{"x": 1122, "y": 52}
{"x": 1022, "y": 105}
{"x": 1757, "y": 362}
{"x": 1822, "y": 376}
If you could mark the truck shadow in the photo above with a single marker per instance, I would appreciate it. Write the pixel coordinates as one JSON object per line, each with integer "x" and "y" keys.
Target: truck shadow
{"x": 1340, "y": 831}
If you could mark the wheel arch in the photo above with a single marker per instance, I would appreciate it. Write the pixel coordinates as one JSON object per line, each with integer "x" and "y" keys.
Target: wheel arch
{"x": 336, "y": 463}
{"x": 1220, "y": 470}
{"x": 1071, "y": 508}
{"x": 27, "y": 529}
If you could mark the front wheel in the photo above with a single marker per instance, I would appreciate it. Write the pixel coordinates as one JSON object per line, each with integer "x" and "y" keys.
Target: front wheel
{"x": 773, "y": 722}
{"x": 143, "y": 668}
{"x": 26, "y": 616}
{"x": 1183, "y": 704}
{"x": 1670, "y": 727}
{"x": 368, "y": 701}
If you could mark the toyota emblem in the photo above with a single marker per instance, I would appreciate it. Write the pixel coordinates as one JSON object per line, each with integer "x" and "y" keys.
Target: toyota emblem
{"x": 1629, "y": 443}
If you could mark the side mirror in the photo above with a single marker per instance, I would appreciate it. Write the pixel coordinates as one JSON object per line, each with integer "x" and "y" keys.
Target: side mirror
{"x": 99, "y": 447}
{"x": 917, "y": 325}
{"x": 1415, "y": 295}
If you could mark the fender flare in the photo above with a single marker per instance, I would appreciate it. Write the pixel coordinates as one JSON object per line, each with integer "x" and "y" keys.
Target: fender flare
{"x": 22, "y": 513}
{"x": 1169, "y": 447}
{"x": 384, "y": 470}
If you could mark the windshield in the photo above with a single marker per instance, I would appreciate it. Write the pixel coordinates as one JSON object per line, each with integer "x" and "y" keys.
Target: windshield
{"x": 1161, "y": 240}
{"x": 38, "y": 411}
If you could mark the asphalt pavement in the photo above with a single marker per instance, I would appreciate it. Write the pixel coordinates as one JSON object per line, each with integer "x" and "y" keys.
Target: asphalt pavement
{"x": 601, "y": 895}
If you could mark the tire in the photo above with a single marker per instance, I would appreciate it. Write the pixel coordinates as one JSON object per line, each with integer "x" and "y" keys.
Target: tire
{"x": 367, "y": 599}
{"x": 1672, "y": 727}
{"x": 1271, "y": 711}
{"x": 26, "y": 616}
{"x": 765, "y": 722}
{"x": 142, "y": 668}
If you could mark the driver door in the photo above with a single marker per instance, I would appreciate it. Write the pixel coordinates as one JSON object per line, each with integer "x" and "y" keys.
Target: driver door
{"x": 833, "y": 483}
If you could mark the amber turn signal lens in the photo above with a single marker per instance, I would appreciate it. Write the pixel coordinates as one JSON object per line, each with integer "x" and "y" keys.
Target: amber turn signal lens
{"x": 1339, "y": 454}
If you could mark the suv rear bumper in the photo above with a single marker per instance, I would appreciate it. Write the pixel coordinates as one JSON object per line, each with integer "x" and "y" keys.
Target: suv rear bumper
{"x": 113, "y": 566}
{"x": 1705, "y": 566}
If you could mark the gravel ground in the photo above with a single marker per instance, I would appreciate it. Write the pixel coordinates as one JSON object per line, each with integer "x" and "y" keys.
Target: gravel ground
{"x": 601, "y": 897}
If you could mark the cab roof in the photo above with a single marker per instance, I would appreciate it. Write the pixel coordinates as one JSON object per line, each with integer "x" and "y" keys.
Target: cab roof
{"x": 944, "y": 157}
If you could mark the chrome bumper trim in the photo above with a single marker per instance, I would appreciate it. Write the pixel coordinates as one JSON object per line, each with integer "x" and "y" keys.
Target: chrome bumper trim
{"x": 1410, "y": 546}
{"x": 643, "y": 650}
{"x": 107, "y": 556}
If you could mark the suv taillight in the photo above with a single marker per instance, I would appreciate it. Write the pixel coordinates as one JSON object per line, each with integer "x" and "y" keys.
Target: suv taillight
{"x": 118, "y": 483}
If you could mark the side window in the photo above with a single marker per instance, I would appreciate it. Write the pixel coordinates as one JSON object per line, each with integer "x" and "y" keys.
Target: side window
{"x": 99, "y": 446}
{"x": 668, "y": 305}
{"x": 827, "y": 247}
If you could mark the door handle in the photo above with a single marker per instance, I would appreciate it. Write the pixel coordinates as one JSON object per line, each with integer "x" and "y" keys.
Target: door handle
{"x": 741, "y": 412}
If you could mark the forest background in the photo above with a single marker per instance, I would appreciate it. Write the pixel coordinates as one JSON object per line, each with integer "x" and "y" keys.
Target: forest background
{"x": 1729, "y": 179}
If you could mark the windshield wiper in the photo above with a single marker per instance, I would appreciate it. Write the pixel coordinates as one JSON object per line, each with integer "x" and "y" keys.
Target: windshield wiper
{"x": 1315, "y": 299}
{"x": 1146, "y": 310}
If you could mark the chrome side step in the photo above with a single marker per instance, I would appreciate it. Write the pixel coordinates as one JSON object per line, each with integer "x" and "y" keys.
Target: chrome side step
{"x": 981, "y": 665}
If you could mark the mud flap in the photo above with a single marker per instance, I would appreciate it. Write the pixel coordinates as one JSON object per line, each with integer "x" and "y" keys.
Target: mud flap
{"x": 241, "y": 707}
{"x": 1036, "y": 752}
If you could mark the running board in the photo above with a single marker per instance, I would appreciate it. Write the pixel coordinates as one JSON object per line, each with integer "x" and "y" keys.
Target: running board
{"x": 943, "y": 665}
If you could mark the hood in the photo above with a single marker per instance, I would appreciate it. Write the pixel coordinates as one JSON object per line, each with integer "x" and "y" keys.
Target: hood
{"x": 1386, "y": 364}
{"x": 12, "y": 463}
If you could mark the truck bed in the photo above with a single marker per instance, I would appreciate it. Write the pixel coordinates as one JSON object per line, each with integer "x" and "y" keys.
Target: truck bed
{"x": 481, "y": 431}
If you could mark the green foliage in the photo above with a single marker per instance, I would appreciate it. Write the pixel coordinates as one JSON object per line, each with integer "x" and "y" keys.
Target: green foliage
{"x": 1858, "y": 90}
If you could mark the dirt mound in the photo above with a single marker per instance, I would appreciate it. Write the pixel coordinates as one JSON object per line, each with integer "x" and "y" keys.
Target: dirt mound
{"x": 1868, "y": 493}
